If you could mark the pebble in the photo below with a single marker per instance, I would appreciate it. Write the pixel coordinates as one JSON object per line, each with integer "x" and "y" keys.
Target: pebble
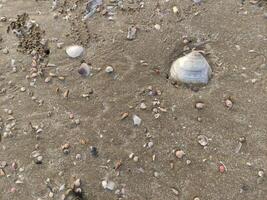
{"x": 2, "y": 172}
{"x": 109, "y": 69}
{"x": 22, "y": 89}
{"x": 261, "y": 173}
{"x": 157, "y": 27}
{"x": 60, "y": 45}
{"x": 156, "y": 174}
{"x": 135, "y": 158}
{"x": 143, "y": 106}
{"x": 179, "y": 154}
{"x": 137, "y": 120}
{"x": 38, "y": 160}
{"x": 131, "y": 35}
{"x": 175, "y": 9}
{"x": 131, "y": 156}
{"x": 93, "y": 151}
{"x": 48, "y": 79}
{"x": 228, "y": 103}
{"x": 200, "y": 105}
{"x": 78, "y": 156}
{"x": 5, "y": 50}
{"x": 77, "y": 183}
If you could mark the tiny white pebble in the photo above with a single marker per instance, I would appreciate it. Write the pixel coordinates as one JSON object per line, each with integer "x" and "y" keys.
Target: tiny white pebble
{"x": 135, "y": 159}
{"x": 109, "y": 69}
{"x": 157, "y": 27}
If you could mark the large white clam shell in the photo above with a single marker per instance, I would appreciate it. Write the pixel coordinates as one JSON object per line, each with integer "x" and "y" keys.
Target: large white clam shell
{"x": 191, "y": 68}
{"x": 74, "y": 51}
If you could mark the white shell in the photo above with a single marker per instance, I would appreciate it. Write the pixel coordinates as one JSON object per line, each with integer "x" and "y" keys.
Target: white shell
{"x": 137, "y": 120}
{"x": 191, "y": 68}
{"x": 110, "y": 185}
{"x": 74, "y": 51}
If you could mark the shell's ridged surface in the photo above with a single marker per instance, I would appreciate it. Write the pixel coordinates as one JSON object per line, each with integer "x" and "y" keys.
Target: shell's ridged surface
{"x": 191, "y": 68}
{"x": 74, "y": 51}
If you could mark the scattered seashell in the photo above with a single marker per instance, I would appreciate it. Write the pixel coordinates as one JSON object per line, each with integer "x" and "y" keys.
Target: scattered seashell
{"x": 48, "y": 79}
{"x": 84, "y": 70}
{"x": 109, "y": 185}
{"x": 202, "y": 140}
{"x": 124, "y": 115}
{"x": 137, "y": 120}
{"x": 228, "y": 103}
{"x": 192, "y": 68}
{"x": 135, "y": 158}
{"x": 143, "y": 106}
{"x": 74, "y": 51}
{"x": 131, "y": 35}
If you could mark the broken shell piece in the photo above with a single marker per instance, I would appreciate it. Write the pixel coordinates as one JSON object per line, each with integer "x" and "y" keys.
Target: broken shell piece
{"x": 192, "y": 68}
{"x": 179, "y": 154}
{"x": 202, "y": 140}
{"x": 131, "y": 33}
{"x": 110, "y": 185}
{"x": 84, "y": 70}
{"x": 137, "y": 120}
{"x": 74, "y": 51}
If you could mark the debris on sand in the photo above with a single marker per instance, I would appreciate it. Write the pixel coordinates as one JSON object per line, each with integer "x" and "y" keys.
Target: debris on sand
{"x": 131, "y": 35}
{"x": 91, "y": 8}
{"x": 30, "y": 35}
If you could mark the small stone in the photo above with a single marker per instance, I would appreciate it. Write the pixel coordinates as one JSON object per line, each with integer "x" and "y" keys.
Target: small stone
{"x": 109, "y": 69}
{"x": 200, "y": 105}
{"x": 156, "y": 174}
{"x": 65, "y": 146}
{"x": 150, "y": 144}
{"x": 93, "y": 151}
{"x": 135, "y": 158}
{"x": 137, "y": 120}
{"x": 131, "y": 156}
{"x": 60, "y": 45}
{"x": 175, "y": 9}
{"x": 143, "y": 106}
{"x": 261, "y": 173}
{"x": 221, "y": 168}
{"x": 131, "y": 35}
{"x": 175, "y": 191}
{"x": 51, "y": 194}
{"x": 77, "y": 183}
{"x": 78, "y": 156}
{"x": 157, "y": 27}
{"x": 228, "y": 103}
{"x": 188, "y": 162}
{"x": 48, "y": 79}
{"x": 14, "y": 166}
{"x": 22, "y": 89}
{"x": 38, "y": 160}
{"x": 179, "y": 154}
{"x": 2, "y": 172}
{"x": 5, "y": 50}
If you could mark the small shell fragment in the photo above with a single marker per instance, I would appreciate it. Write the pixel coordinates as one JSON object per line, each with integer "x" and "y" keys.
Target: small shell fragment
{"x": 137, "y": 120}
{"x": 191, "y": 68}
{"x": 109, "y": 185}
{"x": 202, "y": 140}
{"x": 74, "y": 51}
